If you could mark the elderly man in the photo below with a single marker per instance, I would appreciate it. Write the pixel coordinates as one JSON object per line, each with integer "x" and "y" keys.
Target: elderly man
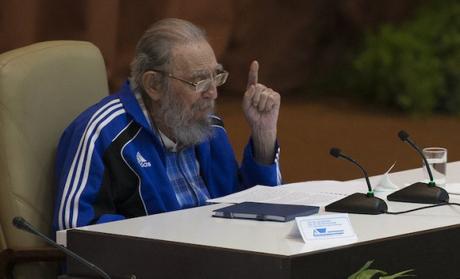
{"x": 156, "y": 146}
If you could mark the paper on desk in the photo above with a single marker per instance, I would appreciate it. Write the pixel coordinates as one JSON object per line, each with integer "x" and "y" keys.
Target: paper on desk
{"x": 385, "y": 183}
{"x": 453, "y": 188}
{"x": 305, "y": 193}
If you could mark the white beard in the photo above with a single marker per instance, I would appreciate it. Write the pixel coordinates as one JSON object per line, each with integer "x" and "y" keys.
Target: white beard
{"x": 180, "y": 121}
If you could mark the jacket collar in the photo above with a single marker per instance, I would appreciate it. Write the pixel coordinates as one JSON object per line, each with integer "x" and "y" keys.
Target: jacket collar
{"x": 132, "y": 106}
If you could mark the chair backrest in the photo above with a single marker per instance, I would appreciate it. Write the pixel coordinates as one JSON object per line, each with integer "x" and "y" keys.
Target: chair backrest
{"x": 43, "y": 87}
{"x": 2, "y": 239}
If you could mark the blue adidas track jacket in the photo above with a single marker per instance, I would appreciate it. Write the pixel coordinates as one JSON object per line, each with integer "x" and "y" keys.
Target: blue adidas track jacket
{"x": 111, "y": 166}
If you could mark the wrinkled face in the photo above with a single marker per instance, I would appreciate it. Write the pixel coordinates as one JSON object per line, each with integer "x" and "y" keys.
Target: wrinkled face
{"x": 182, "y": 109}
{"x": 194, "y": 62}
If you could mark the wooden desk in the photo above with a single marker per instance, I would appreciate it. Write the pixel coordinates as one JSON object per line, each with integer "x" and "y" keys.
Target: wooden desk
{"x": 192, "y": 244}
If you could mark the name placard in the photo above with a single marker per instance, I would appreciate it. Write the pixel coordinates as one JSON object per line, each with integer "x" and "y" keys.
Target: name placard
{"x": 336, "y": 227}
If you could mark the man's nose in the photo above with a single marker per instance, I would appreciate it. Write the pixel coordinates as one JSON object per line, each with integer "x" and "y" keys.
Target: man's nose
{"x": 211, "y": 93}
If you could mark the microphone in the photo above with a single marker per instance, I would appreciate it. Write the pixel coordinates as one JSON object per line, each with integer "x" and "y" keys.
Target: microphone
{"x": 358, "y": 202}
{"x": 419, "y": 192}
{"x": 404, "y": 136}
{"x": 22, "y": 224}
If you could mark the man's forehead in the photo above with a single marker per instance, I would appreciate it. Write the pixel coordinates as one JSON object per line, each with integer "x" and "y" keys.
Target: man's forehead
{"x": 195, "y": 58}
{"x": 197, "y": 71}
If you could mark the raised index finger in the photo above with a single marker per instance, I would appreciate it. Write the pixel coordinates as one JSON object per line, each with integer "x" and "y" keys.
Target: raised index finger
{"x": 253, "y": 73}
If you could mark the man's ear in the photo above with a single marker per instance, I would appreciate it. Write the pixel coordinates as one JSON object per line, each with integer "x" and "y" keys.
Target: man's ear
{"x": 150, "y": 85}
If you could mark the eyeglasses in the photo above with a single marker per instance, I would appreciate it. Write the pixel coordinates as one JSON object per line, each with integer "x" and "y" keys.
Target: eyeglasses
{"x": 201, "y": 85}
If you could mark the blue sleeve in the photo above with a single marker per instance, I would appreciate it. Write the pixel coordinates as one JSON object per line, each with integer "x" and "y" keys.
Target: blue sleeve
{"x": 79, "y": 177}
{"x": 254, "y": 173}
{"x": 109, "y": 218}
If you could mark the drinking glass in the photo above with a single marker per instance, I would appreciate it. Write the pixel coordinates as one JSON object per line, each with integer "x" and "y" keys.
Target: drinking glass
{"x": 437, "y": 161}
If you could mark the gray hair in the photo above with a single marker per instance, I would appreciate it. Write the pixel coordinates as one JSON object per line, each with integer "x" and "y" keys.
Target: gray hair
{"x": 153, "y": 51}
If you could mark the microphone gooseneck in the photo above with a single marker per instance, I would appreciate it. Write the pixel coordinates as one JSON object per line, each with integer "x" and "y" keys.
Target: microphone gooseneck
{"x": 404, "y": 136}
{"x": 336, "y": 152}
{"x": 22, "y": 224}
{"x": 358, "y": 203}
{"x": 419, "y": 192}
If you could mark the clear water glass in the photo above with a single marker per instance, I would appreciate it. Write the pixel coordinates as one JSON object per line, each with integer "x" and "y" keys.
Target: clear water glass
{"x": 437, "y": 161}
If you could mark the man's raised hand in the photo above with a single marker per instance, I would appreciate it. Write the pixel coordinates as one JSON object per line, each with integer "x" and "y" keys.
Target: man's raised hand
{"x": 261, "y": 108}
{"x": 260, "y": 103}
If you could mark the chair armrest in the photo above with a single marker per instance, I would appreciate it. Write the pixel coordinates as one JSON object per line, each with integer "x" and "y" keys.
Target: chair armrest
{"x": 37, "y": 255}
{"x": 10, "y": 257}
{"x": 5, "y": 257}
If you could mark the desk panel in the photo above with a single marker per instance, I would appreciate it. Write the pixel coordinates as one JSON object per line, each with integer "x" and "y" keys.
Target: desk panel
{"x": 431, "y": 253}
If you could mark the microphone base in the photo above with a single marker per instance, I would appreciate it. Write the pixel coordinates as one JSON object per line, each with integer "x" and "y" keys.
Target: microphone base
{"x": 358, "y": 203}
{"x": 420, "y": 193}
